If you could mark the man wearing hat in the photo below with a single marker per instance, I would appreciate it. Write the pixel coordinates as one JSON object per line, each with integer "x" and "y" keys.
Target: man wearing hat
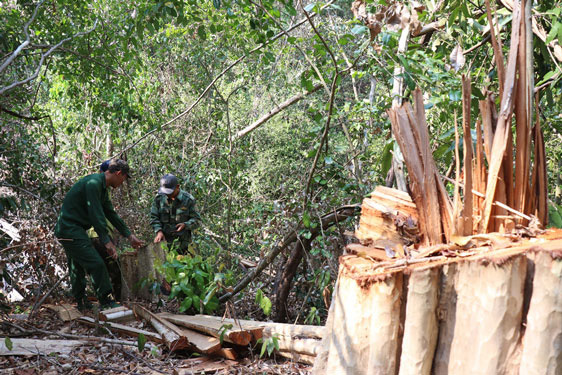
{"x": 86, "y": 205}
{"x": 173, "y": 215}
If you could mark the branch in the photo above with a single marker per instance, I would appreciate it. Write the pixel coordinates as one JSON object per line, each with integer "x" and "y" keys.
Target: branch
{"x": 241, "y": 58}
{"x": 276, "y": 110}
{"x": 326, "y": 221}
{"x": 25, "y": 43}
{"x": 43, "y": 56}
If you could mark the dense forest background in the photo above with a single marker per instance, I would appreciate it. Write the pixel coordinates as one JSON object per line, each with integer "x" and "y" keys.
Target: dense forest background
{"x": 271, "y": 113}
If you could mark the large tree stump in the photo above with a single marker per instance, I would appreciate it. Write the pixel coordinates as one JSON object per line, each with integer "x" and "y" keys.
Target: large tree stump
{"x": 138, "y": 267}
{"x": 461, "y": 315}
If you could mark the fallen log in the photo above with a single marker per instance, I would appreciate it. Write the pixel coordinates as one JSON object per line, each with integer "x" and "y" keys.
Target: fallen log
{"x": 171, "y": 335}
{"x": 297, "y": 357}
{"x": 117, "y": 314}
{"x": 270, "y": 328}
{"x": 211, "y": 327}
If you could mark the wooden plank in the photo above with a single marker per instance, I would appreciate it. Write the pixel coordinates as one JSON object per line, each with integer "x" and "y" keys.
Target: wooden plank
{"x": 30, "y": 347}
{"x": 172, "y": 336}
{"x": 271, "y": 328}
{"x": 211, "y": 327}
{"x": 65, "y": 312}
{"x": 124, "y": 329}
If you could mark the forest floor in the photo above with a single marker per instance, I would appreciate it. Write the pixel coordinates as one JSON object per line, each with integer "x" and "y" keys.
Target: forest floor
{"x": 99, "y": 357}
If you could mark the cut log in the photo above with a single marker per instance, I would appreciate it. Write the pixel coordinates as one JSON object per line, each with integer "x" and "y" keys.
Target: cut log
{"x": 117, "y": 314}
{"x": 124, "y": 329}
{"x": 227, "y": 353}
{"x": 211, "y": 327}
{"x": 268, "y": 329}
{"x": 65, "y": 312}
{"x": 30, "y": 347}
{"x": 420, "y": 327}
{"x": 171, "y": 335}
{"x": 177, "y": 338}
{"x": 542, "y": 343}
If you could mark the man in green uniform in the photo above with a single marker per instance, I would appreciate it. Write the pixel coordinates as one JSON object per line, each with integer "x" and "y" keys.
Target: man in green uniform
{"x": 86, "y": 205}
{"x": 173, "y": 215}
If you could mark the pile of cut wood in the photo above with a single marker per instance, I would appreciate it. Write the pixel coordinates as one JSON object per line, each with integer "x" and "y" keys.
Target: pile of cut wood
{"x": 211, "y": 335}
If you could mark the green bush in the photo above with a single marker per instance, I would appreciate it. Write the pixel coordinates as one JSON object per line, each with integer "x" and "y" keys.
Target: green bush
{"x": 194, "y": 281}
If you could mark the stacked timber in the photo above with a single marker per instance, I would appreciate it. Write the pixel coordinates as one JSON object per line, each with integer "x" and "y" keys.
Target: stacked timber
{"x": 480, "y": 292}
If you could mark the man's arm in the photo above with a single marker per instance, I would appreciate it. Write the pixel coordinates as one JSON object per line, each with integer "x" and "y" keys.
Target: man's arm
{"x": 155, "y": 216}
{"x": 96, "y": 210}
{"x": 194, "y": 220}
{"x": 113, "y": 218}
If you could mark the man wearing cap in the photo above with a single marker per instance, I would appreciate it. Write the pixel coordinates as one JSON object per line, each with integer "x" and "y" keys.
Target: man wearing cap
{"x": 86, "y": 205}
{"x": 173, "y": 215}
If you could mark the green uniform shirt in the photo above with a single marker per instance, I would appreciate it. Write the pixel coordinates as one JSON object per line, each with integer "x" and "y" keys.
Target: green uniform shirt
{"x": 86, "y": 205}
{"x": 166, "y": 213}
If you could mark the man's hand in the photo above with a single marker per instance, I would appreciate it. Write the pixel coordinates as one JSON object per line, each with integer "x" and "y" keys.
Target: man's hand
{"x": 159, "y": 237}
{"x": 135, "y": 242}
{"x": 180, "y": 227}
{"x": 111, "y": 250}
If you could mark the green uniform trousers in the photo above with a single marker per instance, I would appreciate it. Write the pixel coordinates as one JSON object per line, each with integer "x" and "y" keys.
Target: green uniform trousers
{"x": 84, "y": 259}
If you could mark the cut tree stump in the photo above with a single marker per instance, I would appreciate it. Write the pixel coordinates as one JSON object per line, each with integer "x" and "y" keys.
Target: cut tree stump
{"x": 138, "y": 267}
{"x": 460, "y": 314}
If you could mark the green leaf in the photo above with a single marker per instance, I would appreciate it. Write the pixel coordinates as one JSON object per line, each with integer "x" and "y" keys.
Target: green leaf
{"x": 217, "y": 4}
{"x": 386, "y": 157}
{"x": 8, "y": 343}
{"x": 306, "y": 220}
{"x": 222, "y": 331}
{"x": 359, "y": 29}
{"x": 141, "y": 341}
{"x": 455, "y": 95}
{"x": 186, "y": 304}
{"x": 201, "y": 32}
{"x": 553, "y": 34}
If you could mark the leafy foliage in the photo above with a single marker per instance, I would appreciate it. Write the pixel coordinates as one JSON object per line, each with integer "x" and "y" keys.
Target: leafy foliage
{"x": 194, "y": 281}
